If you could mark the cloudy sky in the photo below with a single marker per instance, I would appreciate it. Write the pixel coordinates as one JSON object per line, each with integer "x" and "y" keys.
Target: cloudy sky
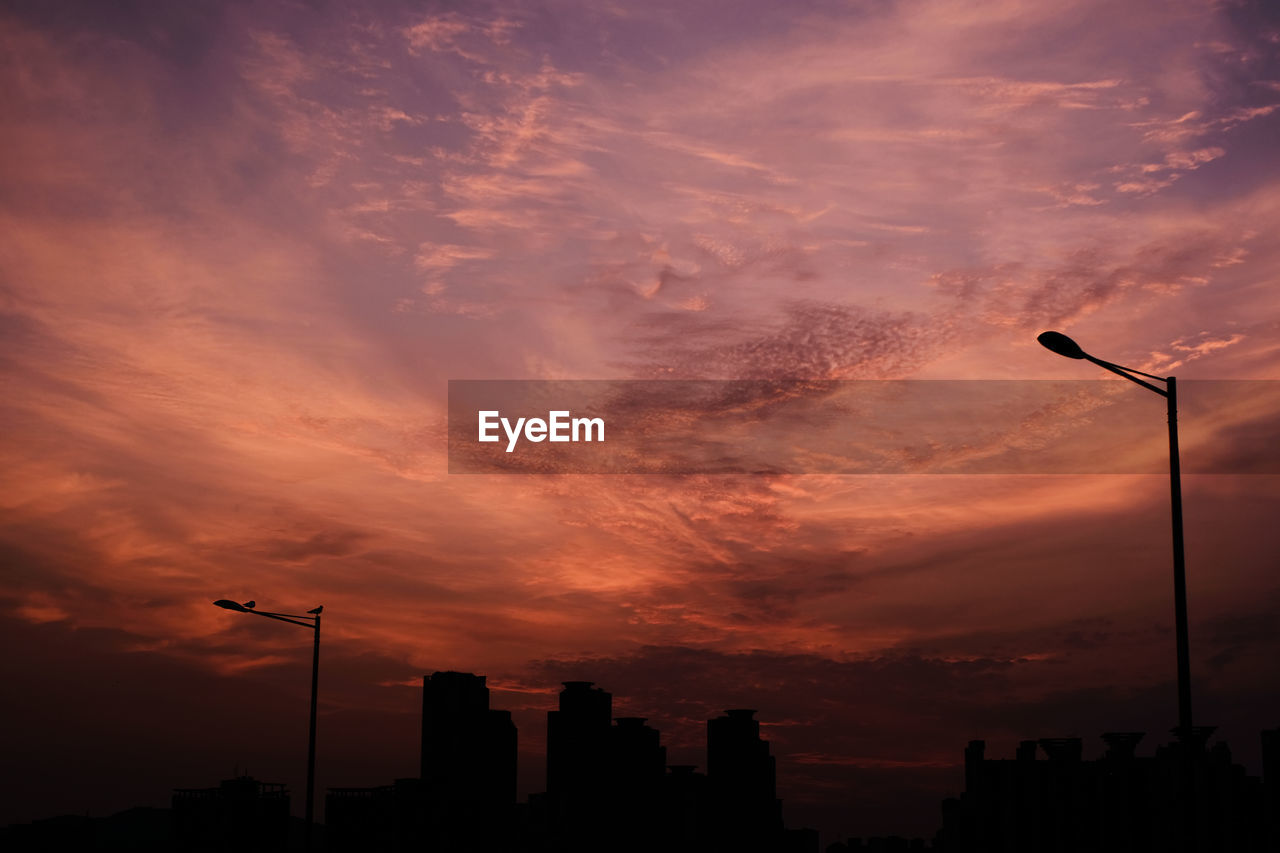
{"x": 244, "y": 247}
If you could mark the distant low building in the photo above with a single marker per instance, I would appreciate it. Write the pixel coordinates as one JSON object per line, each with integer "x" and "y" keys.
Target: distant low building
{"x": 239, "y": 814}
{"x": 388, "y": 818}
{"x": 1120, "y": 802}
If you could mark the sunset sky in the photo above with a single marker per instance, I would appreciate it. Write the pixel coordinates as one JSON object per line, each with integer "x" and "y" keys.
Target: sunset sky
{"x": 244, "y": 247}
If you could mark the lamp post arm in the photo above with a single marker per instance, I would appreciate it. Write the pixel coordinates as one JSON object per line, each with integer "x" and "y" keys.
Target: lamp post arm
{"x": 1127, "y": 373}
{"x": 283, "y": 618}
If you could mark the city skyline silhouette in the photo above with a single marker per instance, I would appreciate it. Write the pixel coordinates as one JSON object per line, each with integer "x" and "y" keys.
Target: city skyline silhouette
{"x": 608, "y": 787}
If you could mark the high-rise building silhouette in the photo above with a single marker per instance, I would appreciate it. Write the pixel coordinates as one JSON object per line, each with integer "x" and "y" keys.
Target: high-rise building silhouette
{"x": 468, "y": 769}
{"x": 578, "y": 774}
{"x": 742, "y": 779}
{"x": 464, "y": 799}
{"x": 637, "y": 767}
{"x": 608, "y": 786}
{"x": 578, "y": 743}
{"x": 637, "y": 758}
{"x": 686, "y": 819}
{"x": 468, "y": 749}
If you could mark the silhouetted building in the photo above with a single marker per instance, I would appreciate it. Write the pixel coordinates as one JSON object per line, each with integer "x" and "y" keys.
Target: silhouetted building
{"x": 389, "y": 818}
{"x": 465, "y": 797}
{"x": 468, "y": 749}
{"x": 636, "y": 771}
{"x": 239, "y": 814}
{"x": 639, "y": 760}
{"x": 578, "y": 743}
{"x": 686, "y": 818}
{"x": 468, "y": 765}
{"x": 578, "y": 752}
{"x": 608, "y": 787}
{"x": 1119, "y": 802}
{"x": 742, "y": 780}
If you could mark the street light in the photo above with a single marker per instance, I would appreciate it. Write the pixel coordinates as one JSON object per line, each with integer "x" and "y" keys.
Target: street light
{"x": 1189, "y": 737}
{"x": 1064, "y": 346}
{"x": 310, "y": 620}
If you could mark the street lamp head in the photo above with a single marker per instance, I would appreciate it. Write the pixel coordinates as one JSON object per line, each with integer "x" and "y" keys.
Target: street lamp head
{"x": 230, "y": 605}
{"x": 1061, "y": 344}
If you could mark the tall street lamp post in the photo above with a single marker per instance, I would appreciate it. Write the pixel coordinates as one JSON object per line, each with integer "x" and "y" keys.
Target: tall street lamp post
{"x": 310, "y": 620}
{"x": 1063, "y": 345}
{"x": 1190, "y": 739}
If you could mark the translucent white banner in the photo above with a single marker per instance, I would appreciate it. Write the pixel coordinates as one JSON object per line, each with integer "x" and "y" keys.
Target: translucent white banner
{"x": 858, "y": 427}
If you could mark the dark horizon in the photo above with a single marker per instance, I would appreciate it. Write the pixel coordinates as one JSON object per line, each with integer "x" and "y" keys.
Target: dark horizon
{"x": 467, "y": 780}
{"x": 921, "y": 806}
